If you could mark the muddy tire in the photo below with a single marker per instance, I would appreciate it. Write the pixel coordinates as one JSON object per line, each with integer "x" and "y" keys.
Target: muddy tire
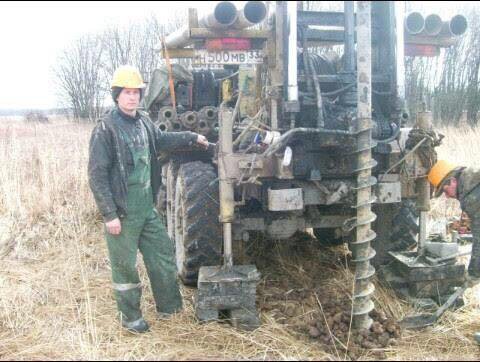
{"x": 396, "y": 227}
{"x": 198, "y": 237}
{"x": 166, "y": 197}
{"x": 170, "y": 185}
{"x": 327, "y": 237}
{"x": 161, "y": 203}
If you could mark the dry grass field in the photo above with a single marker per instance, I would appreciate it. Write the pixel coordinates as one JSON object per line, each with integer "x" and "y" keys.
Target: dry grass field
{"x": 55, "y": 292}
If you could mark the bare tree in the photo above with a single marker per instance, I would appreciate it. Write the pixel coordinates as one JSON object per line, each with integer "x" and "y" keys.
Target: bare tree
{"x": 449, "y": 82}
{"x": 84, "y": 69}
{"x": 137, "y": 44}
{"x": 79, "y": 76}
{"x": 177, "y": 20}
{"x": 133, "y": 44}
{"x": 473, "y": 67}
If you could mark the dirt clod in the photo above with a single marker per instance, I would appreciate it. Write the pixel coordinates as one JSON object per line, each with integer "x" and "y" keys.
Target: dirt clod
{"x": 314, "y": 332}
{"x": 322, "y": 314}
{"x": 336, "y": 321}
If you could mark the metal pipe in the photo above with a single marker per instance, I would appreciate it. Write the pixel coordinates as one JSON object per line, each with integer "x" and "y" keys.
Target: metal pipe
{"x": 277, "y": 46}
{"x": 414, "y": 23}
{"x": 178, "y": 39}
{"x": 292, "y": 52}
{"x": 349, "y": 97}
{"x": 433, "y": 25}
{"x": 223, "y": 16}
{"x": 167, "y": 113}
{"x": 291, "y": 134}
{"x": 424, "y": 118}
{"x": 455, "y": 27}
{"x": 318, "y": 93}
{"x": 458, "y": 25}
{"x": 165, "y": 126}
{"x": 424, "y": 122}
{"x": 252, "y": 13}
{"x": 227, "y": 202}
{"x": 176, "y": 125}
{"x": 227, "y": 245}
{"x": 225, "y": 148}
{"x": 423, "y": 206}
{"x": 400, "y": 49}
{"x": 189, "y": 119}
{"x": 204, "y": 128}
{"x": 349, "y": 20}
{"x": 274, "y": 114}
{"x": 208, "y": 113}
{"x": 306, "y": 64}
{"x": 362, "y": 253}
{"x": 423, "y": 192}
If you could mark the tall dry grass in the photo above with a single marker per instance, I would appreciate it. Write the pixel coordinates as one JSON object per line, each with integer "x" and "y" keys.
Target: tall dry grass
{"x": 55, "y": 295}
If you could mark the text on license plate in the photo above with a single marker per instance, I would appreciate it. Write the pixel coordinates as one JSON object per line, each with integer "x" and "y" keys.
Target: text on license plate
{"x": 228, "y": 57}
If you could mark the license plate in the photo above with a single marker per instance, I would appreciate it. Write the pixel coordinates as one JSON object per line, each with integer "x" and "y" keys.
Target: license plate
{"x": 228, "y": 57}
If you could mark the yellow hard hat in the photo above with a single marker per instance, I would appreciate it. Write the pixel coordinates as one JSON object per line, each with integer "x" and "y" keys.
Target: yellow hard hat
{"x": 127, "y": 76}
{"x": 439, "y": 172}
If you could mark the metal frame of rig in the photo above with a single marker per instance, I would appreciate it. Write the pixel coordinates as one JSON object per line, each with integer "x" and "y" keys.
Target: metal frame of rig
{"x": 305, "y": 138}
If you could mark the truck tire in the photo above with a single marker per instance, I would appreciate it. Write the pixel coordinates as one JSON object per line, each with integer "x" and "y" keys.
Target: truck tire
{"x": 198, "y": 236}
{"x": 170, "y": 185}
{"x": 396, "y": 227}
{"x": 165, "y": 196}
{"x": 161, "y": 203}
{"x": 327, "y": 237}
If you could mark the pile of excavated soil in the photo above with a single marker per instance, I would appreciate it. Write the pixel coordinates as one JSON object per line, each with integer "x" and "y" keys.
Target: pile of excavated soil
{"x": 314, "y": 301}
{"x": 333, "y": 329}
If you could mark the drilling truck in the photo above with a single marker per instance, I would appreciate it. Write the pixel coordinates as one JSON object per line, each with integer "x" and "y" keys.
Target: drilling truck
{"x": 306, "y": 111}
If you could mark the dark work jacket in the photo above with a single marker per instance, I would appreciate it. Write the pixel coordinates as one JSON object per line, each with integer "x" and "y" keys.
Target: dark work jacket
{"x": 468, "y": 190}
{"x": 109, "y": 162}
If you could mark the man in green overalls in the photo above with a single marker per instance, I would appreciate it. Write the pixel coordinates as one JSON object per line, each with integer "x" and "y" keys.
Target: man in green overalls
{"x": 124, "y": 176}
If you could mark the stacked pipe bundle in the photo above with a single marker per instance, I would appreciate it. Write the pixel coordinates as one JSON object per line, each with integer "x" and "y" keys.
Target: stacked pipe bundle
{"x": 203, "y": 121}
{"x": 167, "y": 117}
{"x": 189, "y": 120}
{"x": 432, "y": 25}
{"x": 208, "y": 120}
{"x": 224, "y": 16}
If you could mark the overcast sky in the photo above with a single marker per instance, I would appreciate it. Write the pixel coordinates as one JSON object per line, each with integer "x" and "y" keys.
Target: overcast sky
{"x": 32, "y": 34}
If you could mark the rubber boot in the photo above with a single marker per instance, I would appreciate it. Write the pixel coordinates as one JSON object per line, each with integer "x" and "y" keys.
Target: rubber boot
{"x": 164, "y": 316}
{"x": 474, "y": 265}
{"x": 476, "y": 337}
{"x": 138, "y": 326}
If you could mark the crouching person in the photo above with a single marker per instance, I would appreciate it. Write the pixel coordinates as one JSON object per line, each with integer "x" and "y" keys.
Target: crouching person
{"x": 463, "y": 184}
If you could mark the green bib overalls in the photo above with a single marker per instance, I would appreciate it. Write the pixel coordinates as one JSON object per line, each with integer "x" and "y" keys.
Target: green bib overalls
{"x": 142, "y": 229}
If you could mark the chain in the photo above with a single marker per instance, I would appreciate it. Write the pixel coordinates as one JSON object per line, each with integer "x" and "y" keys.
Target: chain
{"x": 426, "y": 151}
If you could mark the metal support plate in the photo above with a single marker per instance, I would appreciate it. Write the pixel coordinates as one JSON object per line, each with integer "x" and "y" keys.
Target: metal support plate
{"x": 389, "y": 192}
{"x": 285, "y": 200}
